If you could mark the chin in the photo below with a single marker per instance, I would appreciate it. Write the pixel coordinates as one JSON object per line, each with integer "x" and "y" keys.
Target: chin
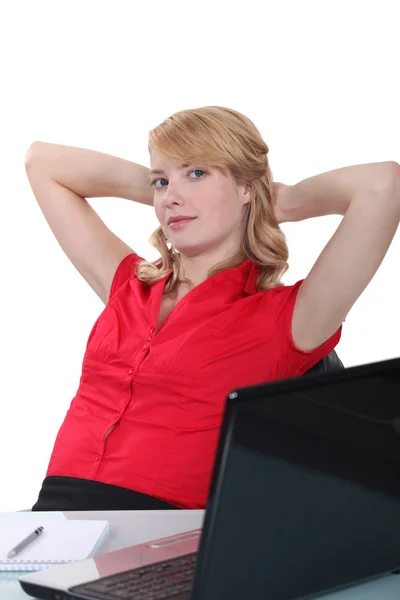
{"x": 187, "y": 249}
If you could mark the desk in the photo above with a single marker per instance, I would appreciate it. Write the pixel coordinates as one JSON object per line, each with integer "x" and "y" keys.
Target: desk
{"x": 129, "y": 527}
{"x": 126, "y": 528}
{"x": 135, "y": 527}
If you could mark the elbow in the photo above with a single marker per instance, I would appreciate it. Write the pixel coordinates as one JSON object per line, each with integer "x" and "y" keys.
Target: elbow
{"x": 392, "y": 175}
{"x": 390, "y": 189}
{"x": 396, "y": 183}
{"x": 395, "y": 169}
{"x": 387, "y": 178}
{"x": 393, "y": 180}
{"x": 34, "y": 155}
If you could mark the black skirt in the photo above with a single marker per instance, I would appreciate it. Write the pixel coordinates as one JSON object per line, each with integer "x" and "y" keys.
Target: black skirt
{"x": 71, "y": 493}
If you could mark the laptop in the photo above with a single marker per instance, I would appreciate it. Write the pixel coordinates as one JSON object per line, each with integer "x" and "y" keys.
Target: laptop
{"x": 305, "y": 498}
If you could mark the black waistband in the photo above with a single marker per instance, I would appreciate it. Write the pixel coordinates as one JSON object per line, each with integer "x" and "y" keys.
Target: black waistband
{"x": 71, "y": 493}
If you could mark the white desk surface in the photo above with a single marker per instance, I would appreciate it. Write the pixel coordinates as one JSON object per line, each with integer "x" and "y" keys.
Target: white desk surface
{"x": 135, "y": 527}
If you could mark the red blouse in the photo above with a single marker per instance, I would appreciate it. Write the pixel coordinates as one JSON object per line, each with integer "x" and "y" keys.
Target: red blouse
{"x": 149, "y": 406}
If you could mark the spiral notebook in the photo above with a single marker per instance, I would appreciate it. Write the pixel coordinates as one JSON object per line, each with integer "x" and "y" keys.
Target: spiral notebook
{"x": 60, "y": 542}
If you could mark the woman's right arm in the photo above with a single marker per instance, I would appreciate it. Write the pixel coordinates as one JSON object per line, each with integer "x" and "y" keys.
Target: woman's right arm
{"x": 62, "y": 177}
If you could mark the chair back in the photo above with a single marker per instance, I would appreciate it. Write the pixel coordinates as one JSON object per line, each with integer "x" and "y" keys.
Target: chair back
{"x": 329, "y": 363}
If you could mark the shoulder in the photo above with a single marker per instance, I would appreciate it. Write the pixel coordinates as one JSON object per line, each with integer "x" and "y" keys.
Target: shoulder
{"x": 283, "y": 297}
{"x": 125, "y": 271}
{"x": 280, "y": 302}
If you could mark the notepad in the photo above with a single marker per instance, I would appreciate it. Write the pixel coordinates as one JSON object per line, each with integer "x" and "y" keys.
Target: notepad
{"x": 60, "y": 542}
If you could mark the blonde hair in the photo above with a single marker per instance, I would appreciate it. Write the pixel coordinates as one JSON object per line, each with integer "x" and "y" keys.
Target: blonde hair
{"x": 229, "y": 141}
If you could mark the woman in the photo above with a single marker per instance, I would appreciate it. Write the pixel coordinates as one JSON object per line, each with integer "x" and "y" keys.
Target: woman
{"x": 210, "y": 315}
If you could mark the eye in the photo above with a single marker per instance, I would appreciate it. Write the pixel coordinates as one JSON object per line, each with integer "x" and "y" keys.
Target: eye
{"x": 197, "y": 171}
{"x": 154, "y": 182}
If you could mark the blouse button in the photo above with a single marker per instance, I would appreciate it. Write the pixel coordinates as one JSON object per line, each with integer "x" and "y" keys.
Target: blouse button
{"x": 97, "y": 457}
{"x": 151, "y": 330}
{"x": 130, "y": 372}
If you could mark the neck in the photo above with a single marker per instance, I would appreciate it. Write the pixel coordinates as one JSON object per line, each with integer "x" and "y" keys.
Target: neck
{"x": 197, "y": 267}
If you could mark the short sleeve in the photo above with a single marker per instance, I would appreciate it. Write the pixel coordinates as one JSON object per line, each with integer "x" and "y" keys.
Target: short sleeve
{"x": 124, "y": 272}
{"x": 294, "y": 361}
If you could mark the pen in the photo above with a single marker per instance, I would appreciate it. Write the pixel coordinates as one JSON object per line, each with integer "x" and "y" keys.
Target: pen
{"x": 32, "y": 536}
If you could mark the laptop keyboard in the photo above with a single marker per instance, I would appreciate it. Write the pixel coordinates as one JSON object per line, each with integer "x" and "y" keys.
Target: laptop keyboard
{"x": 171, "y": 578}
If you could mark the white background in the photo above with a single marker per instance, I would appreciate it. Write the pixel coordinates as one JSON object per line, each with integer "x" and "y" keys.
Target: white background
{"x": 319, "y": 79}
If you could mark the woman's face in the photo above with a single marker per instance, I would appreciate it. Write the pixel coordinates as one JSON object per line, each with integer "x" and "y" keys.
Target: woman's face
{"x": 214, "y": 202}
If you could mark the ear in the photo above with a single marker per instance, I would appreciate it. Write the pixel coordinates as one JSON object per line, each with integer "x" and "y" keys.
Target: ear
{"x": 246, "y": 192}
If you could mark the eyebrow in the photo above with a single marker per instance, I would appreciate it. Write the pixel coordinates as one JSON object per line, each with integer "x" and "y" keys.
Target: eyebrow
{"x": 161, "y": 172}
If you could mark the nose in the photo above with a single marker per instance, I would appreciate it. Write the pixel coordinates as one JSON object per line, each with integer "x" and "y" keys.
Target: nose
{"x": 172, "y": 195}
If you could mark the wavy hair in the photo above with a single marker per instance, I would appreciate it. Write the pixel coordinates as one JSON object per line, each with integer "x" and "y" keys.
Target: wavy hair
{"x": 229, "y": 141}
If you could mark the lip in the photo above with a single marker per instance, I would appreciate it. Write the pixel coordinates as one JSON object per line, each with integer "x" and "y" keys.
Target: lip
{"x": 178, "y": 218}
{"x": 179, "y": 222}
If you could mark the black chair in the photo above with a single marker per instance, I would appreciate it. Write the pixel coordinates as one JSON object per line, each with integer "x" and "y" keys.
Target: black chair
{"x": 329, "y": 363}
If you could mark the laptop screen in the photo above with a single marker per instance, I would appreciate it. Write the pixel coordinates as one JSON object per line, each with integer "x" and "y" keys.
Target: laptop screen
{"x": 308, "y": 492}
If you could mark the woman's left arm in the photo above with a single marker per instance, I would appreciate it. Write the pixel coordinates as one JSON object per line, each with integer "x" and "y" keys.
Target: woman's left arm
{"x": 368, "y": 197}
